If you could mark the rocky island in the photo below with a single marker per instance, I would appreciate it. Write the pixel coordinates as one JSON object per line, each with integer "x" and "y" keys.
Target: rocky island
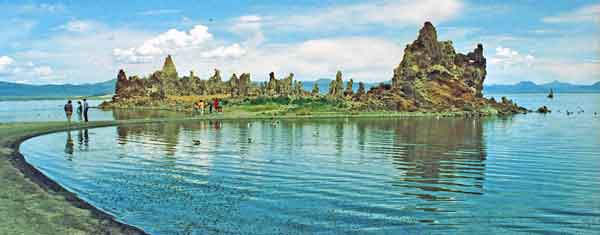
{"x": 431, "y": 78}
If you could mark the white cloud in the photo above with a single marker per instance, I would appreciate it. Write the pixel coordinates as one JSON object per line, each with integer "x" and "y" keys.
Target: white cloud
{"x": 43, "y": 71}
{"x": 397, "y": 13}
{"x": 571, "y": 71}
{"x": 506, "y": 57}
{"x": 168, "y": 42}
{"x": 10, "y": 68}
{"x": 589, "y": 13}
{"x": 5, "y": 61}
{"x": 160, "y": 12}
{"x": 249, "y": 27}
{"x": 6, "y": 64}
{"x": 233, "y": 51}
{"x": 363, "y": 58}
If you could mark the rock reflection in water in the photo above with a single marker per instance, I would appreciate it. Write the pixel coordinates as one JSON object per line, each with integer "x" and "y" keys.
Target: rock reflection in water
{"x": 298, "y": 175}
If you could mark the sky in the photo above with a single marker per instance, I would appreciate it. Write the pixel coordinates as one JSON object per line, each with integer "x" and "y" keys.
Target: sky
{"x": 55, "y": 42}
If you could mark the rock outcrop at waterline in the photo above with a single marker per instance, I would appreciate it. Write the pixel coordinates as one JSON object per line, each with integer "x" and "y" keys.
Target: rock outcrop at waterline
{"x": 431, "y": 77}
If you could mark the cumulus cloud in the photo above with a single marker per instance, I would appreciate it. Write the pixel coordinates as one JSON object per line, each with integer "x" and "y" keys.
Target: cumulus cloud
{"x": 571, "y": 71}
{"x": 249, "y": 27}
{"x": 233, "y": 51}
{"x": 507, "y": 57}
{"x": 398, "y": 13}
{"x": 6, "y": 64}
{"x": 589, "y": 13}
{"x": 363, "y": 58}
{"x": 167, "y": 42}
{"x": 197, "y": 40}
{"x": 10, "y": 68}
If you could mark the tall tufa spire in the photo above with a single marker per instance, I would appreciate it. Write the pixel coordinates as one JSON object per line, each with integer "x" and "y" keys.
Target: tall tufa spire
{"x": 169, "y": 69}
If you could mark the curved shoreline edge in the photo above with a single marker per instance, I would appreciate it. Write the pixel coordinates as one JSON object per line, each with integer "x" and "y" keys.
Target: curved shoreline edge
{"x": 107, "y": 224}
{"x": 17, "y": 133}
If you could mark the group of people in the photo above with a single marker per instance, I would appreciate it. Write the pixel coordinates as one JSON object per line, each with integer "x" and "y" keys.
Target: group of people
{"x": 215, "y": 105}
{"x": 82, "y": 110}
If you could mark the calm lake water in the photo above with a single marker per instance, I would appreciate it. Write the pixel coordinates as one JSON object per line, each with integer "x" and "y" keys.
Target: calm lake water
{"x": 529, "y": 173}
{"x": 52, "y": 110}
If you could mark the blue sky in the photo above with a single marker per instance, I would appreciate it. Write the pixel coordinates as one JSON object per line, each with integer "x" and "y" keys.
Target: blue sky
{"x": 77, "y": 42}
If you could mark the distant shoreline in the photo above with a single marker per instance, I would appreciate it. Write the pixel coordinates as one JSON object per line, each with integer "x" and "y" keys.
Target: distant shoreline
{"x": 30, "y": 98}
{"x": 107, "y": 97}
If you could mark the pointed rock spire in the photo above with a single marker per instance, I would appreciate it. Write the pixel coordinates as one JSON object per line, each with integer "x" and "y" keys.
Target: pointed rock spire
{"x": 169, "y": 69}
{"x": 427, "y": 33}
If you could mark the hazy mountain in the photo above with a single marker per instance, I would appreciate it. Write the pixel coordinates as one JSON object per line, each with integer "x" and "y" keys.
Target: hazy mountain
{"x": 8, "y": 89}
{"x": 67, "y": 90}
{"x": 531, "y": 87}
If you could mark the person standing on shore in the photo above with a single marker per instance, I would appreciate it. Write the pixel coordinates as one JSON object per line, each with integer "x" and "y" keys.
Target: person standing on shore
{"x": 201, "y": 107}
{"x": 79, "y": 110}
{"x": 86, "y": 107}
{"x": 69, "y": 110}
{"x": 216, "y": 105}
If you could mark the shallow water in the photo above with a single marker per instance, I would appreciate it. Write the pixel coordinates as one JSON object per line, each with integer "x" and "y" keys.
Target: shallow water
{"x": 52, "y": 110}
{"x": 526, "y": 174}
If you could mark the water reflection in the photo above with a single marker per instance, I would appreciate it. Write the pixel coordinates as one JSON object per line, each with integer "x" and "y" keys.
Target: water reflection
{"x": 126, "y": 114}
{"x": 431, "y": 157}
{"x": 69, "y": 145}
{"x": 82, "y": 143}
{"x": 440, "y": 156}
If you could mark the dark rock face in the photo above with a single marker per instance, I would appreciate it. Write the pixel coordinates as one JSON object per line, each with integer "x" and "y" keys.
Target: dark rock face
{"x": 432, "y": 76}
{"x": 428, "y": 59}
{"x": 336, "y": 87}
{"x": 282, "y": 87}
{"x": 543, "y": 109}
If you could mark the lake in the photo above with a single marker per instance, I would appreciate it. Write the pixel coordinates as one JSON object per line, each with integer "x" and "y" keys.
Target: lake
{"x": 52, "y": 110}
{"x": 531, "y": 173}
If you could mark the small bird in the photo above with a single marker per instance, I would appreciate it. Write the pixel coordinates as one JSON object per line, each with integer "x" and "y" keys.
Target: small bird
{"x": 196, "y": 142}
{"x": 250, "y": 140}
{"x": 595, "y": 113}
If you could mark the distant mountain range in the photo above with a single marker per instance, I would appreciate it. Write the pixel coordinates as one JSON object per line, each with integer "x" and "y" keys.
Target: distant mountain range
{"x": 530, "y": 87}
{"x": 8, "y": 90}
{"x": 15, "y": 90}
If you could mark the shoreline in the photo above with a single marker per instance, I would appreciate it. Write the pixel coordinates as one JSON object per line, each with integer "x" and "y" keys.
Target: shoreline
{"x": 102, "y": 222}
{"x": 96, "y": 221}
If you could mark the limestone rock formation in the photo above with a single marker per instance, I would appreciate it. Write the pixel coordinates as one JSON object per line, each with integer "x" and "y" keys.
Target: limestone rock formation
{"x": 315, "y": 89}
{"x": 349, "y": 91}
{"x": 543, "y": 109}
{"x": 428, "y": 60}
{"x": 433, "y": 76}
{"x": 169, "y": 70}
{"x": 336, "y": 87}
